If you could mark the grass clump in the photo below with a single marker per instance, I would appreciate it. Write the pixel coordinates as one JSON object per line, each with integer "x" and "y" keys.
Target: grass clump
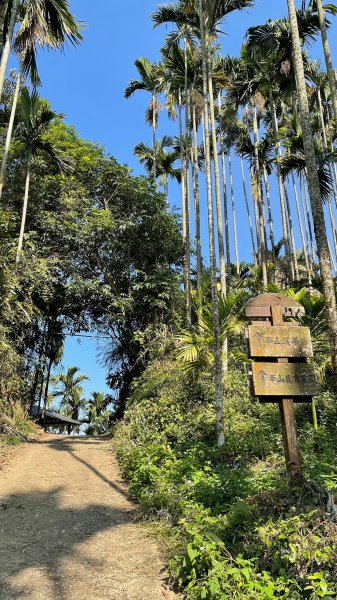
{"x": 15, "y": 424}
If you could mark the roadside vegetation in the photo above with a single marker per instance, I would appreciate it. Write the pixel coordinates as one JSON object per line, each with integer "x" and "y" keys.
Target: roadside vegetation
{"x": 232, "y": 526}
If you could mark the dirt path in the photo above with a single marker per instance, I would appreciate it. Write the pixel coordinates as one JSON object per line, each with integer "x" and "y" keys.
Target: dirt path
{"x": 67, "y": 529}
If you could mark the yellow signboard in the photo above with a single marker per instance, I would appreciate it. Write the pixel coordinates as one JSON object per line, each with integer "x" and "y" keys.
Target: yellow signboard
{"x": 284, "y": 379}
{"x": 279, "y": 342}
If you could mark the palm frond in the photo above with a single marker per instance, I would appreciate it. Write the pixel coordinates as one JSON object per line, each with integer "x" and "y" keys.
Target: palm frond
{"x": 49, "y": 22}
{"x": 64, "y": 163}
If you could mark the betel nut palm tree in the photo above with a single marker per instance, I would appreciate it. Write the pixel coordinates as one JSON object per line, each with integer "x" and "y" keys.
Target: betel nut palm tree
{"x": 38, "y": 20}
{"x": 98, "y": 413}
{"x": 148, "y": 82}
{"x": 313, "y": 184}
{"x": 35, "y": 119}
{"x": 179, "y": 61}
{"x": 204, "y": 19}
{"x": 27, "y": 66}
{"x": 176, "y": 70}
{"x": 69, "y": 389}
{"x": 165, "y": 160}
{"x": 210, "y": 15}
{"x": 9, "y": 13}
{"x": 45, "y": 23}
{"x": 327, "y": 53}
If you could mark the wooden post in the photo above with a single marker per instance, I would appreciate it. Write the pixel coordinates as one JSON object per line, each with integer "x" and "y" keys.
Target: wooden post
{"x": 280, "y": 371}
{"x": 288, "y": 421}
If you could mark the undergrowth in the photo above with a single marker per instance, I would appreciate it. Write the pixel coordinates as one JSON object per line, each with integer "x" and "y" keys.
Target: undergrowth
{"x": 15, "y": 424}
{"x": 233, "y": 527}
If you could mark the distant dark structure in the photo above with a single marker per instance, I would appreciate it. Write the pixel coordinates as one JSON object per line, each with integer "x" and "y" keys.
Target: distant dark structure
{"x": 54, "y": 419}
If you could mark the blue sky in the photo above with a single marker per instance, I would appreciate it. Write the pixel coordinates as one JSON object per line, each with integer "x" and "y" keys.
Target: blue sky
{"x": 87, "y": 84}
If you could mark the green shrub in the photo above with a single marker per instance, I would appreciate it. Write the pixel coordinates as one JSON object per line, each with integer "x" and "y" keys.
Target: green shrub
{"x": 238, "y": 531}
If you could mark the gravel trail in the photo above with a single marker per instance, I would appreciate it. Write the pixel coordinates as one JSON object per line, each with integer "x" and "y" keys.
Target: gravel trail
{"x": 67, "y": 529}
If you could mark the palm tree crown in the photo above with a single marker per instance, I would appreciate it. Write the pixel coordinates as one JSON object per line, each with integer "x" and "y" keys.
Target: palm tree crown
{"x": 69, "y": 389}
{"x": 34, "y": 120}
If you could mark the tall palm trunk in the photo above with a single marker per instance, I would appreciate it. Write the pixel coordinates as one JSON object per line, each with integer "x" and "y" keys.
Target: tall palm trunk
{"x": 312, "y": 244}
{"x": 314, "y": 189}
{"x": 306, "y": 224}
{"x": 216, "y": 326}
{"x": 294, "y": 262}
{"x": 327, "y": 56}
{"x": 245, "y": 195}
{"x": 188, "y": 203}
{"x": 154, "y": 127}
{"x": 264, "y": 220}
{"x": 196, "y": 192}
{"x": 2, "y": 23}
{"x": 188, "y": 191}
{"x": 7, "y": 46}
{"x": 327, "y": 143}
{"x": 187, "y": 119}
{"x": 10, "y": 132}
{"x": 226, "y": 279}
{"x": 25, "y": 206}
{"x": 188, "y": 241}
{"x": 231, "y": 181}
{"x": 280, "y": 181}
{"x": 253, "y": 194}
{"x": 332, "y": 260}
{"x": 216, "y": 171}
{"x": 256, "y": 214}
{"x": 333, "y": 226}
{"x": 225, "y": 205}
{"x": 185, "y": 216}
{"x": 260, "y": 202}
{"x": 305, "y": 254}
{"x": 270, "y": 214}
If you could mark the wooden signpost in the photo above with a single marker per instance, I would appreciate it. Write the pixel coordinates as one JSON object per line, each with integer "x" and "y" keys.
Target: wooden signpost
{"x": 281, "y": 372}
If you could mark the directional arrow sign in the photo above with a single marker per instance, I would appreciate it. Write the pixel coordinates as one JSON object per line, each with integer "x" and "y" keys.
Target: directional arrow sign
{"x": 284, "y": 379}
{"x": 258, "y": 338}
{"x": 279, "y": 342}
{"x": 263, "y": 375}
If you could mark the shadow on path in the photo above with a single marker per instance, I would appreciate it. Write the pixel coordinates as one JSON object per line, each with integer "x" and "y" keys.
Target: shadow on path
{"x": 37, "y": 533}
{"x": 67, "y": 445}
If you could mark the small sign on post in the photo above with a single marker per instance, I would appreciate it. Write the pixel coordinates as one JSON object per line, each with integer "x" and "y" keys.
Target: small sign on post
{"x": 281, "y": 372}
{"x": 278, "y": 342}
{"x": 279, "y": 379}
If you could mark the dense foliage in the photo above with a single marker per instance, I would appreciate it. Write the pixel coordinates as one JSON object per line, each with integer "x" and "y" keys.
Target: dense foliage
{"x": 100, "y": 253}
{"x": 234, "y": 528}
